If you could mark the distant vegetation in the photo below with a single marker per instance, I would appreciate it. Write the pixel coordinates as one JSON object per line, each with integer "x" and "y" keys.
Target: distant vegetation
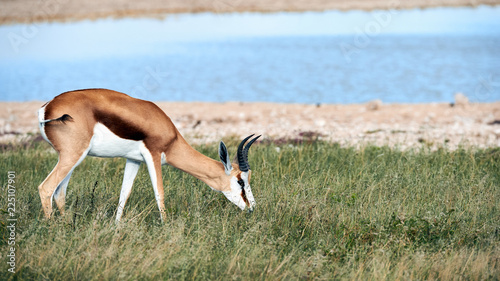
{"x": 323, "y": 212}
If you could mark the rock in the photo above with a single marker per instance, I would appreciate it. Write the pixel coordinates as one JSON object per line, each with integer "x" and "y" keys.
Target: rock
{"x": 320, "y": 122}
{"x": 461, "y": 100}
{"x": 374, "y": 105}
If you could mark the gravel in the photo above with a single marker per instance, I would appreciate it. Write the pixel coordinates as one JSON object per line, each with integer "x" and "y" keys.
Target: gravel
{"x": 397, "y": 125}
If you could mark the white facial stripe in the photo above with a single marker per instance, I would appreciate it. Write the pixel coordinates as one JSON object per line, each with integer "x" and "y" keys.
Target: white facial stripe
{"x": 236, "y": 193}
{"x": 235, "y": 198}
{"x": 248, "y": 190}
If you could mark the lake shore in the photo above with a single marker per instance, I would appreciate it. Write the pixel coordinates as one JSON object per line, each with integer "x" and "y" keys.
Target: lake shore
{"x": 397, "y": 125}
{"x": 30, "y": 11}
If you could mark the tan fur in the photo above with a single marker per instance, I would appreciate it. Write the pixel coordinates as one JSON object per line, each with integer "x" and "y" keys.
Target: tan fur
{"x": 128, "y": 118}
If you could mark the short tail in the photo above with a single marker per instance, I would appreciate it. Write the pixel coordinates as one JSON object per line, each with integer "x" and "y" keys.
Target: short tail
{"x": 63, "y": 119}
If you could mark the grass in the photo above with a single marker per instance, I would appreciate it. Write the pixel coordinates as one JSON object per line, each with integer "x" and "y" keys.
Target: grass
{"x": 323, "y": 212}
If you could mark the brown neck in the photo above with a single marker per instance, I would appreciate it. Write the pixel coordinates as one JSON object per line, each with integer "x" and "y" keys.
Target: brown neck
{"x": 182, "y": 156}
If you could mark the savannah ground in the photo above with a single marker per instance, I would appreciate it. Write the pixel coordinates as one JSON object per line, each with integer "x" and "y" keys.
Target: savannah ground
{"x": 323, "y": 212}
{"x": 398, "y": 125}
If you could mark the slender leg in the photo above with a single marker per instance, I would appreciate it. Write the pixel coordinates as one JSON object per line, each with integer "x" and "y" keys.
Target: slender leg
{"x": 131, "y": 169}
{"x": 54, "y": 186}
{"x": 153, "y": 162}
{"x": 60, "y": 192}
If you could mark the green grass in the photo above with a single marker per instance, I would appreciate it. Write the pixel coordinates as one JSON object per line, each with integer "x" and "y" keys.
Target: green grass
{"x": 323, "y": 212}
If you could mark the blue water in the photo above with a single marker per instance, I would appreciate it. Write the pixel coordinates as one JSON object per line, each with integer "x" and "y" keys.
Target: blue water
{"x": 396, "y": 67}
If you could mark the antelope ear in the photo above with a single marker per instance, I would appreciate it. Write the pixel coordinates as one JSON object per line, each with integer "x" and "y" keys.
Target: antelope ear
{"x": 224, "y": 158}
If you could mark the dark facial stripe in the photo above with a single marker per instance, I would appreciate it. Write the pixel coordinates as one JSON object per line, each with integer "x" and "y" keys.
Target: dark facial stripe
{"x": 243, "y": 194}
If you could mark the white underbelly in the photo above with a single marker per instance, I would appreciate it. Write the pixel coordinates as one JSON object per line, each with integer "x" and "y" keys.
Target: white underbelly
{"x": 105, "y": 143}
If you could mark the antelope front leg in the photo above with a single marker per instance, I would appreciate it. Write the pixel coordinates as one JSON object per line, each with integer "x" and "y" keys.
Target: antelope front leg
{"x": 153, "y": 162}
{"x": 131, "y": 169}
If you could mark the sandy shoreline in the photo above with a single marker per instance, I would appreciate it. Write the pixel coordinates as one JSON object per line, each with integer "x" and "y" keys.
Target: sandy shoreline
{"x": 401, "y": 125}
{"x": 29, "y": 11}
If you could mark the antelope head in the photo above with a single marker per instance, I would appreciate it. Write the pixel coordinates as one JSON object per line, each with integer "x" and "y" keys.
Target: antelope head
{"x": 240, "y": 192}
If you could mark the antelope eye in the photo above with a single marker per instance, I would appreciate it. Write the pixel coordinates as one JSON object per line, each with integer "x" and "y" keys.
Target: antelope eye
{"x": 241, "y": 183}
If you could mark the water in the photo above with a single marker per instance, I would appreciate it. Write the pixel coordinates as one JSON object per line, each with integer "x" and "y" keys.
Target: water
{"x": 411, "y": 67}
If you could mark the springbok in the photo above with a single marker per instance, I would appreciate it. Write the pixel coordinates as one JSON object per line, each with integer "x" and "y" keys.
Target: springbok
{"x": 105, "y": 123}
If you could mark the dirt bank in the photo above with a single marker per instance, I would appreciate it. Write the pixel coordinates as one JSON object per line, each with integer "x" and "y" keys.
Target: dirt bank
{"x": 401, "y": 125}
{"x": 27, "y": 11}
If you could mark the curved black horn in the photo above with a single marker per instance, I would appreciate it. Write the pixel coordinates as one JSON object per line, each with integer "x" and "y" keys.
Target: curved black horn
{"x": 241, "y": 157}
{"x": 247, "y": 147}
{"x": 242, "y": 153}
